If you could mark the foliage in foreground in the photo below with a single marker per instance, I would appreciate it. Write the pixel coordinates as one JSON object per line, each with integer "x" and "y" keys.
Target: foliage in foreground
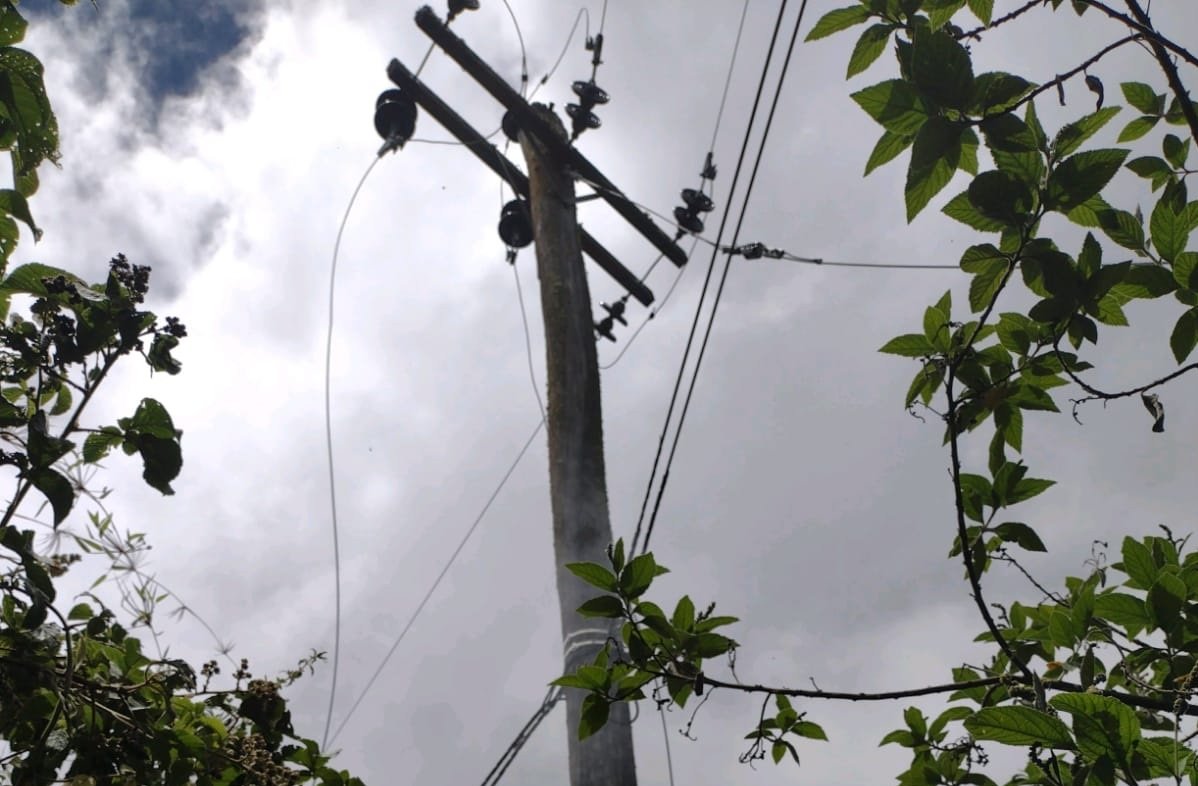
{"x": 82, "y": 700}
{"x": 1097, "y": 679}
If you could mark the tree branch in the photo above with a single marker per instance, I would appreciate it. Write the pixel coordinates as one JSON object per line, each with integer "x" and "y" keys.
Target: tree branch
{"x": 1062, "y": 78}
{"x": 975, "y": 33}
{"x": 1102, "y": 395}
{"x": 1147, "y": 32}
{"x": 1169, "y": 67}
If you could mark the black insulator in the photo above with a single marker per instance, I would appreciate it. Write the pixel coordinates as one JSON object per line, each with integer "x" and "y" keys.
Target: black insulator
{"x": 688, "y": 220}
{"x": 583, "y": 118}
{"x": 753, "y": 250}
{"x": 395, "y": 115}
{"x": 458, "y": 6}
{"x": 697, "y": 201}
{"x": 515, "y": 224}
{"x": 590, "y": 94}
{"x": 511, "y": 125}
{"x": 616, "y": 311}
{"x": 603, "y": 327}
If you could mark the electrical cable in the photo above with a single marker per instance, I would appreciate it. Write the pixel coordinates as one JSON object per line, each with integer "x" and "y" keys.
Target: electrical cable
{"x": 328, "y": 433}
{"x": 523, "y": 51}
{"x": 665, "y": 735}
{"x": 565, "y": 48}
{"x": 719, "y": 115}
{"x": 505, "y": 760}
{"x": 532, "y": 375}
{"x": 656, "y": 310}
{"x": 437, "y": 581}
{"x": 724, "y": 276}
{"x": 707, "y": 279}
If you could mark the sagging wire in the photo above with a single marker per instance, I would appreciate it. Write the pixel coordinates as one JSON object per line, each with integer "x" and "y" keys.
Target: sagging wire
{"x": 727, "y": 266}
{"x": 328, "y": 433}
{"x": 707, "y": 279}
{"x": 656, "y": 309}
{"x": 440, "y": 577}
{"x": 550, "y": 701}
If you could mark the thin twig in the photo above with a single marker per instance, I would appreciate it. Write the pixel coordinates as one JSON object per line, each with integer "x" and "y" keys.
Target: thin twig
{"x": 1169, "y": 67}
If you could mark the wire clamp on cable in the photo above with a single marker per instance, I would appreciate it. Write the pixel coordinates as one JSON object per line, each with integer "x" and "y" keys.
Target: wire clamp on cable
{"x": 709, "y": 168}
{"x": 754, "y": 251}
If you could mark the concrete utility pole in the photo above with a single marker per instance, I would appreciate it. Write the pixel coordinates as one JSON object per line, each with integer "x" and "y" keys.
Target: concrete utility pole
{"x": 577, "y": 479}
{"x": 578, "y": 485}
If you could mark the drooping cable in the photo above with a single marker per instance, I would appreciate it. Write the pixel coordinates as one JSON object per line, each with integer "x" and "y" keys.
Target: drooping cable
{"x": 719, "y": 115}
{"x": 437, "y": 581}
{"x": 532, "y": 375}
{"x": 328, "y": 434}
{"x": 665, "y": 735}
{"x": 523, "y": 51}
{"x": 707, "y": 279}
{"x": 724, "y": 276}
{"x": 547, "y": 704}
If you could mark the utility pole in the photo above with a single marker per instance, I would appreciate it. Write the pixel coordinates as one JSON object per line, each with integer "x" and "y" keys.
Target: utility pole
{"x": 578, "y": 485}
{"x": 577, "y": 478}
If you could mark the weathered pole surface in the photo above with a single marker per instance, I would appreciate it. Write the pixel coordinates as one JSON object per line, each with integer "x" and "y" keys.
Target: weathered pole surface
{"x": 577, "y": 480}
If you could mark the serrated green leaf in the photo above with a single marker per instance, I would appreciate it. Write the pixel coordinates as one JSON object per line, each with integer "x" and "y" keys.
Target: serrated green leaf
{"x": 1020, "y": 726}
{"x": 602, "y": 606}
{"x": 1137, "y": 128}
{"x": 1072, "y": 135}
{"x": 894, "y": 105}
{"x": 935, "y": 155}
{"x": 1185, "y": 335}
{"x": 1170, "y": 231}
{"x": 594, "y": 715}
{"x": 888, "y": 147}
{"x": 1021, "y": 534}
{"x": 1138, "y": 564}
{"x": 911, "y": 345}
{"x": 1082, "y": 176}
{"x": 941, "y": 68}
{"x": 982, "y": 9}
{"x": 1126, "y": 611}
{"x": 1123, "y": 228}
{"x": 638, "y": 575}
{"x": 57, "y": 489}
{"x": 868, "y": 48}
{"x": 1143, "y": 97}
{"x": 836, "y": 20}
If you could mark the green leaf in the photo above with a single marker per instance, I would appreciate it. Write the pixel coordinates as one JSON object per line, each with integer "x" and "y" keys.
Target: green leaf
{"x": 711, "y": 623}
{"x": 989, "y": 267}
{"x": 894, "y": 105}
{"x": 941, "y": 68}
{"x": 962, "y": 209}
{"x": 1138, "y": 564}
{"x": 1166, "y": 599}
{"x": 1027, "y": 488}
{"x": 684, "y": 614}
{"x": 809, "y": 730}
{"x": 1137, "y": 128}
{"x": 941, "y": 11}
{"x": 1126, "y": 611}
{"x": 1185, "y": 270}
{"x": 1123, "y": 228}
{"x": 1102, "y": 724}
{"x": 595, "y": 710}
{"x": 13, "y": 203}
{"x": 56, "y": 488}
{"x": 1150, "y": 167}
{"x": 711, "y": 645}
{"x": 602, "y": 606}
{"x": 1082, "y": 176}
{"x": 638, "y": 575}
{"x": 935, "y": 156}
{"x": 887, "y": 148}
{"x": 1185, "y": 335}
{"x": 1001, "y": 196}
{"x": 12, "y": 25}
{"x": 836, "y": 20}
{"x": 1006, "y": 132}
{"x": 982, "y": 9}
{"x": 996, "y": 91}
{"x": 80, "y": 612}
{"x": 42, "y": 447}
{"x": 1143, "y": 98}
{"x": 1020, "y": 726}
{"x": 594, "y": 574}
{"x": 911, "y": 345}
{"x": 99, "y": 443}
{"x": 1072, "y": 135}
{"x": 1020, "y": 534}
{"x": 30, "y": 279}
{"x": 1170, "y": 231}
{"x": 1175, "y": 150}
{"x": 23, "y": 93}
{"x": 869, "y": 47}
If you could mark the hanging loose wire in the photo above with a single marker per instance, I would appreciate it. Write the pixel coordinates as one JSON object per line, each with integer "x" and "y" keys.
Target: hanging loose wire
{"x": 328, "y": 434}
{"x": 707, "y": 279}
{"x": 505, "y": 760}
{"x": 724, "y": 276}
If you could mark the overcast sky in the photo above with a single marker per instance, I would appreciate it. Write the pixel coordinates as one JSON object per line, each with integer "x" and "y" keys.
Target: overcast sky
{"x": 220, "y": 145}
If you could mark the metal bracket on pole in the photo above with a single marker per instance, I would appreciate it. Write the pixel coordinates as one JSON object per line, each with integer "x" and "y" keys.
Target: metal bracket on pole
{"x": 505, "y": 168}
{"x": 456, "y": 48}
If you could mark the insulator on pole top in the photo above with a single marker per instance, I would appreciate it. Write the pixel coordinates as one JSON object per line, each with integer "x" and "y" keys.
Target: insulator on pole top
{"x": 458, "y": 6}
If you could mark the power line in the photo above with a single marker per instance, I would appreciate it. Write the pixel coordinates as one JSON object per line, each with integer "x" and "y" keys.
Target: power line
{"x": 505, "y": 760}
{"x": 719, "y": 115}
{"x": 328, "y": 433}
{"x": 657, "y": 308}
{"x": 437, "y": 581}
{"x": 724, "y": 276}
{"x": 707, "y": 279}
